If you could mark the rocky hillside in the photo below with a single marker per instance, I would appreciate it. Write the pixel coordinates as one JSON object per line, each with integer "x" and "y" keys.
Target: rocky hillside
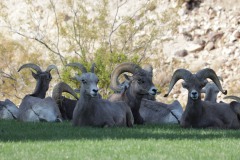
{"x": 208, "y": 36}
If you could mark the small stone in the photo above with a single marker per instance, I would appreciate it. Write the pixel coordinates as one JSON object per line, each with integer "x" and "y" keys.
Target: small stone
{"x": 194, "y": 48}
{"x": 236, "y": 34}
{"x": 181, "y": 53}
{"x": 188, "y": 36}
{"x": 214, "y": 36}
{"x": 210, "y": 46}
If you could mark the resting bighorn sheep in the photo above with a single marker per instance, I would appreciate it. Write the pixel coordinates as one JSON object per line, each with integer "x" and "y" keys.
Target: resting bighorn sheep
{"x": 202, "y": 114}
{"x": 211, "y": 91}
{"x": 91, "y": 110}
{"x": 66, "y": 105}
{"x": 35, "y": 107}
{"x": 154, "y": 112}
{"x": 8, "y": 110}
{"x": 140, "y": 84}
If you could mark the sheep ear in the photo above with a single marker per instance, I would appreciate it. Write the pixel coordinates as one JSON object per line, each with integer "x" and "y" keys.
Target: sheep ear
{"x": 78, "y": 78}
{"x": 34, "y": 75}
{"x": 184, "y": 84}
{"x": 203, "y": 90}
{"x": 205, "y": 83}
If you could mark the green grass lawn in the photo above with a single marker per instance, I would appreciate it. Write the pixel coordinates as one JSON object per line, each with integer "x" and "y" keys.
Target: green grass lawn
{"x": 31, "y": 141}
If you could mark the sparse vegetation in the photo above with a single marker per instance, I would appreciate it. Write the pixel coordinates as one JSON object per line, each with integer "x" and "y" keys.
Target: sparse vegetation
{"x": 85, "y": 31}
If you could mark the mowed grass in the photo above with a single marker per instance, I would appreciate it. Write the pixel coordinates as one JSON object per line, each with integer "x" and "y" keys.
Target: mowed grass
{"x": 20, "y": 140}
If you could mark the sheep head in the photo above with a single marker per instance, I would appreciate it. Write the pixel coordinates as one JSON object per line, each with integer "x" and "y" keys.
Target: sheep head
{"x": 140, "y": 81}
{"x": 43, "y": 78}
{"x": 88, "y": 80}
{"x": 194, "y": 82}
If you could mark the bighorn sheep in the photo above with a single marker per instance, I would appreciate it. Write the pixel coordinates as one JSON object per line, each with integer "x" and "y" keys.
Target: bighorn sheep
{"x": 203, "y": 114}
{"x": 65, "y": 105}
{"x": 91, "y": 110}
{"x": 140, "y": 84}
{"x": 35, "y": 107}
{"x": 154, "y": 112}
{"x": 8, "y": 110}
{"x": 211, "y": 91}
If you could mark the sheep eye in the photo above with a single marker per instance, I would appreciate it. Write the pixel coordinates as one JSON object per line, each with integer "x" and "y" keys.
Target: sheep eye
{"x": 140, "y": 81}
{"x": 84, "y": 81}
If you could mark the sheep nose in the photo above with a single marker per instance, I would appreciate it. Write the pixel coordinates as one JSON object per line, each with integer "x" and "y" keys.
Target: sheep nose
{"x": 95, "y": 90}
{"x": 194, "y": 94}
{"x": 154, "y": 90}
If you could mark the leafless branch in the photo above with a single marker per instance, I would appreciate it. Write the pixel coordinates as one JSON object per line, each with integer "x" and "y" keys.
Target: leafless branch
{"x": 43, "y": 43}
{"x": 114, "y": 21}
{"x": 57, "y": 24}
{"x": 115, "y": 18}
{"x": 76, "y": 35}
{"x": 6, "y": 75}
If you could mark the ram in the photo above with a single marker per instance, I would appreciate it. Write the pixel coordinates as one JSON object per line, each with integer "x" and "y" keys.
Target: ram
{"x": 152, "y": 111}
{"x": 91, "y": 110}
{"x": 140, "y": 84}
{"x": 35, "y": 107}
{"x": 204, "y": 114}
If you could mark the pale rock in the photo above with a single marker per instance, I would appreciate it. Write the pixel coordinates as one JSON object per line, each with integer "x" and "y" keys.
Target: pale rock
{"x": 232, "y": 39}
{"x": 197, "y": 65}
{"x": 210, "y": 46}
{"x": 228, "y": 51}
{"x": 236, "y": 34}
{"x": 237, "y": 53}
{"x": 194, "y": 47}
{"x": 218, "y": 62}
{"x": 214, "y": 36}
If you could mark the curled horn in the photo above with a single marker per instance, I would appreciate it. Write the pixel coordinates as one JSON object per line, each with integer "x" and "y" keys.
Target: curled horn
{"x": 31, "y": 65}
{"x": 93, "y": 67}
{"x": 51, "y": 67}
{"x": 79, "y": 66}
{"x": 124, "y": 67}
{"x": 178, "y": 74}
{"x": 220, "y": 78}
{"x": 60, "y": 88}
{"x": 233, "y": 97}
{"x": 209, "y": 73}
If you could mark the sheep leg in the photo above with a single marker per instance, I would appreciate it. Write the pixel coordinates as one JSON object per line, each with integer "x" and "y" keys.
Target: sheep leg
{"x": 76, "y": 120}
{"x": 130, "y": 119}
{"x": 137, "y": 117}
{"x": 235, "y": 106}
